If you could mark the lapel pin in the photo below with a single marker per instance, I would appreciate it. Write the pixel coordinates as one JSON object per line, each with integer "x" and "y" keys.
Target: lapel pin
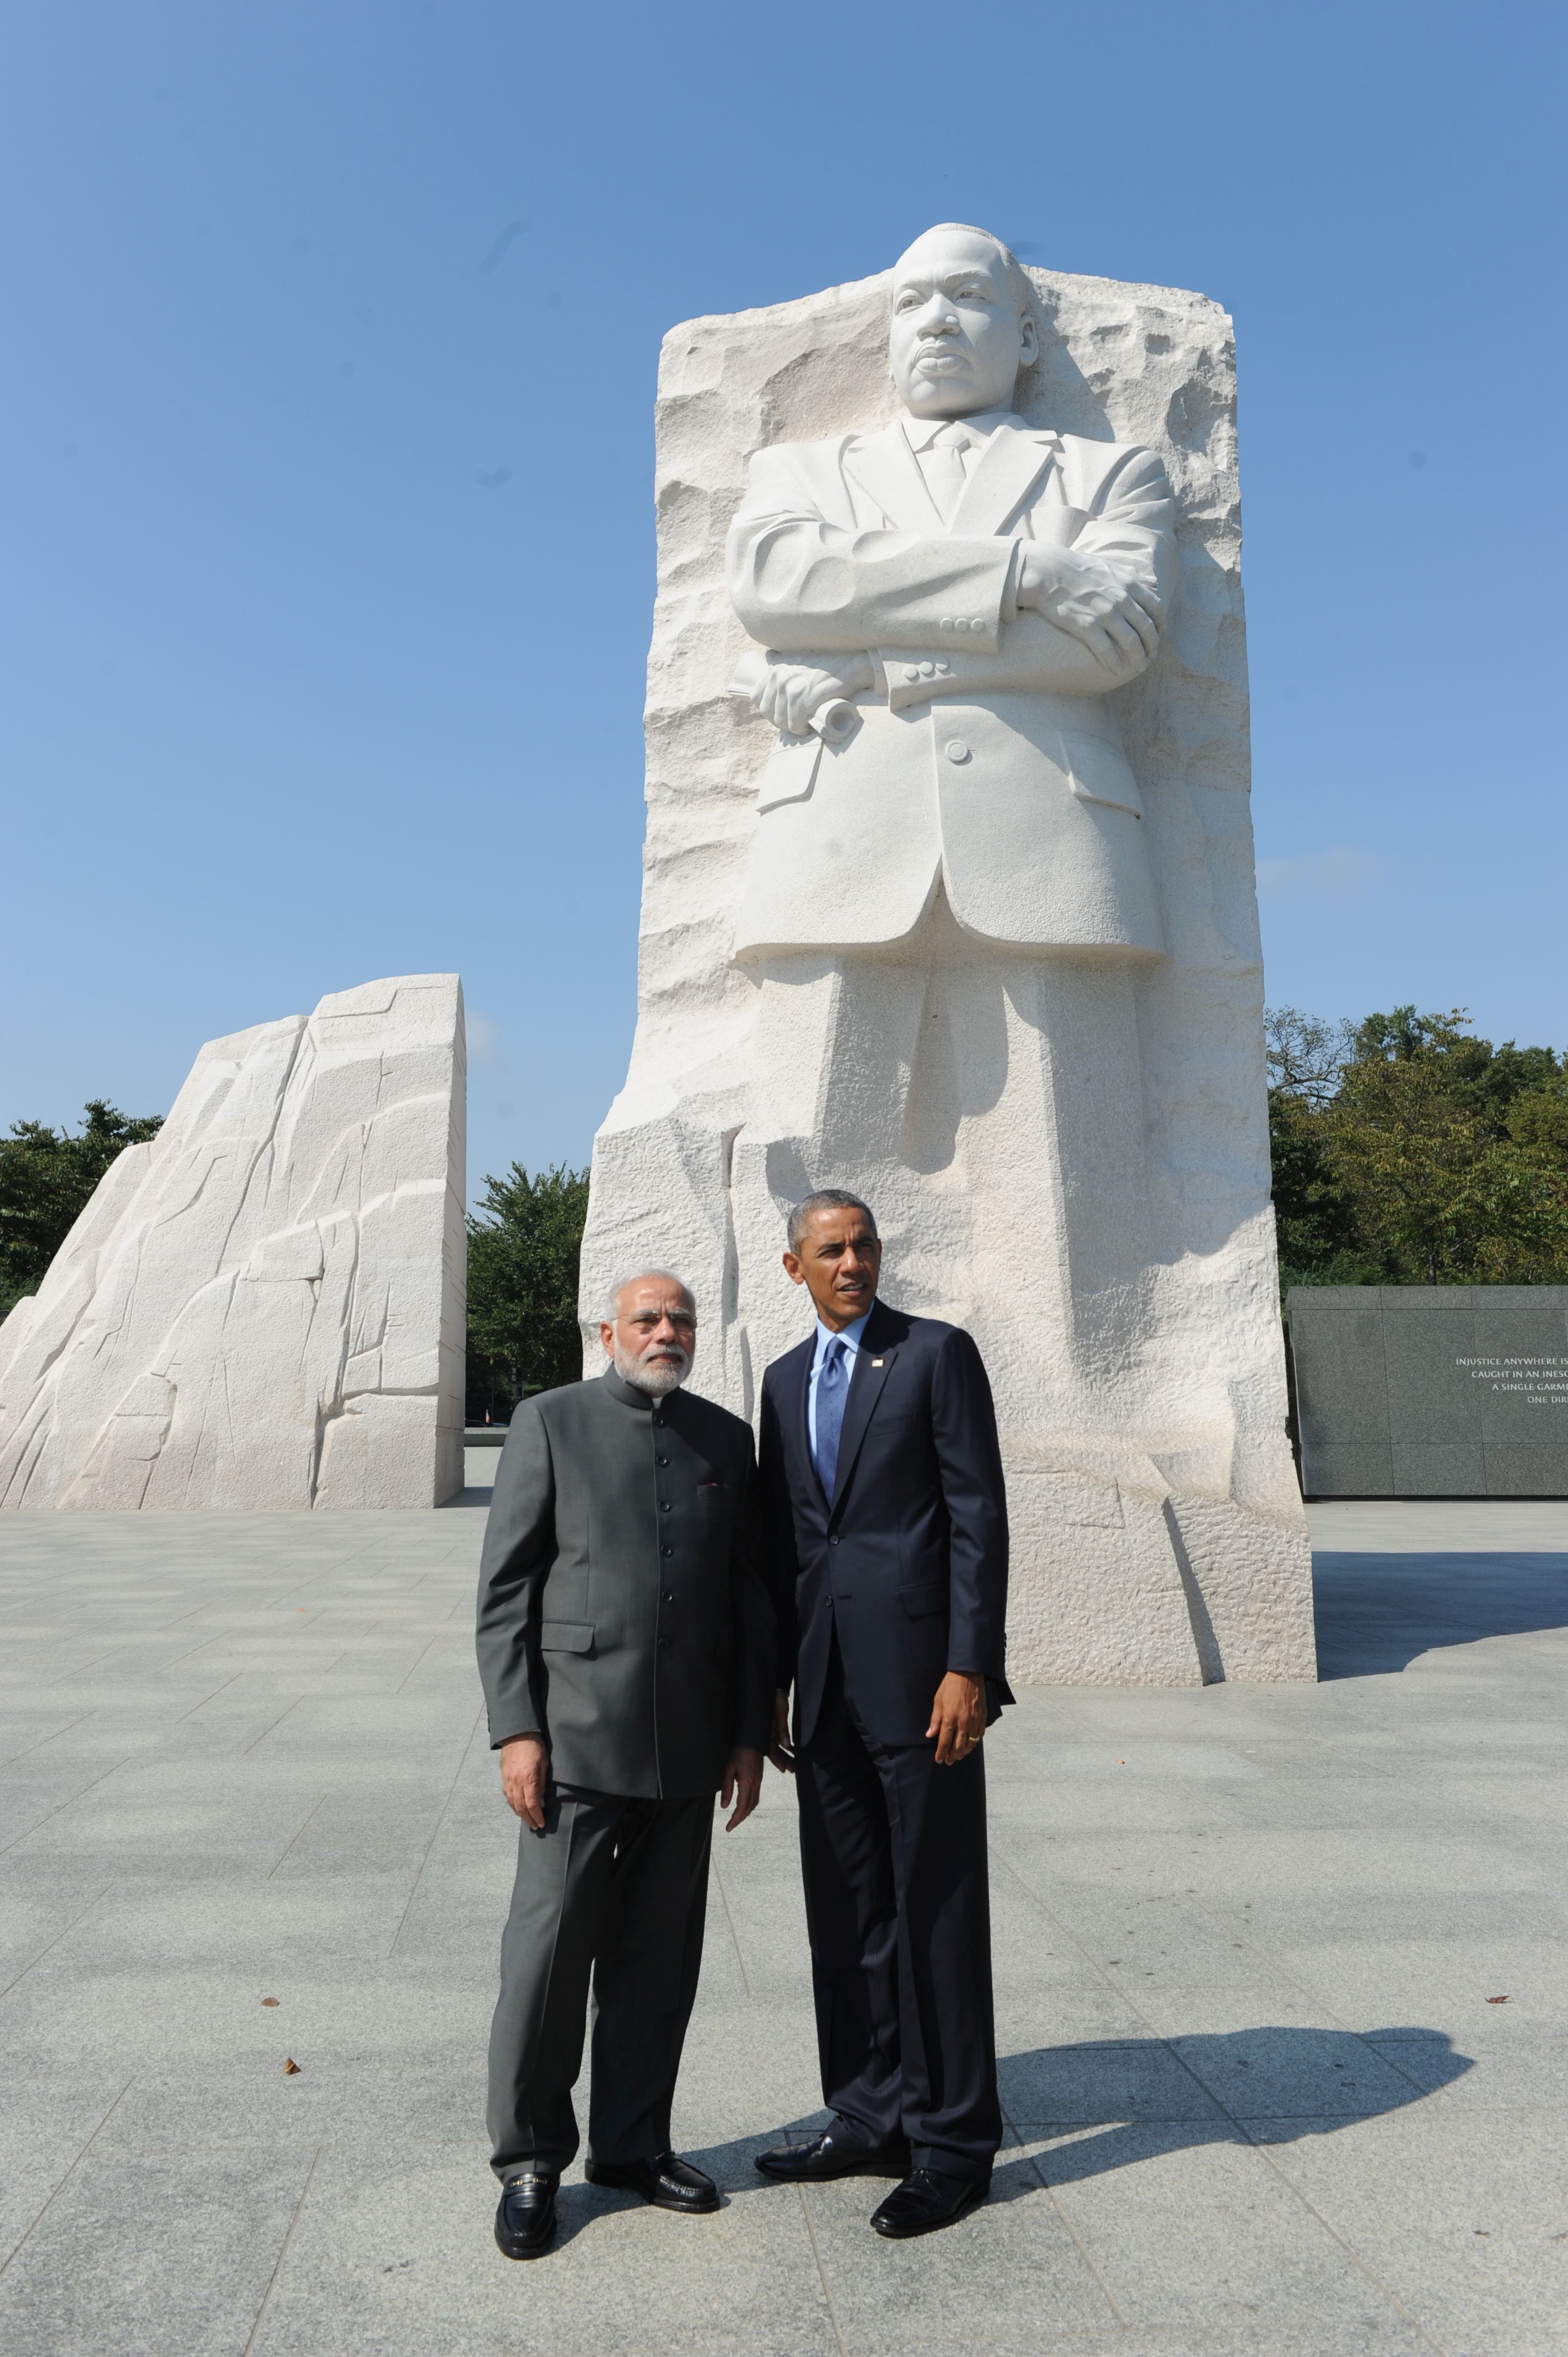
{"x": 877, "y": 1363}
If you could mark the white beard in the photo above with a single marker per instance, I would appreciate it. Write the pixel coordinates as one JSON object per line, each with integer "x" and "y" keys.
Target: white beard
{"x": 657, "y": 1381}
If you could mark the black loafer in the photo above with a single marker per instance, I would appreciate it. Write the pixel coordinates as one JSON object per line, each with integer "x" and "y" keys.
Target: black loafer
{"x": 837, "y": 2152}
{"x": 666, "y": 2180}
{"x": 525, "y": 2223}
{"x": 928, "y": 2198}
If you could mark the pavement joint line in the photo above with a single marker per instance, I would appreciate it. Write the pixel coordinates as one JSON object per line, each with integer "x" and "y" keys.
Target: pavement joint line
{"x": 1206, "y": 1907}
{"x": 195, "y": 1612}
{"x": 321, "y": 1804}
{"x": 413, "y": 1666}
{"x": 1050, "y": 2192}
{"x": 735, "y": 1935}
{"x": 283, "y": 2253}
{"x": 29, "y": 2232}
{"x": 59, "y": 1936}
{"x": 1346, "y": 2245}
{"x": 430, "y": 1845}
{"x": 43, "y": 1741}
{"x": 79, "y": 1669}
{"x": 1239, "y": 2125}
{"x": 267, "y": 1731}
{"x": 822, "y": 2272}
{"x": 207, "y": 1698}
{"x": 70, "y": 1803}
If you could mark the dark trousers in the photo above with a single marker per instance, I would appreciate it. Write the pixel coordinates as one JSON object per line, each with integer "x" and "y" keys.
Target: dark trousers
{"x": 613, "y": 1888}
{"x": 898, "y": 1905}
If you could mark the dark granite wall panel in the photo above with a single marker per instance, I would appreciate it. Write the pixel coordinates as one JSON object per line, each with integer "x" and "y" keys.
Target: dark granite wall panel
{"x": 1443, "y": 1391}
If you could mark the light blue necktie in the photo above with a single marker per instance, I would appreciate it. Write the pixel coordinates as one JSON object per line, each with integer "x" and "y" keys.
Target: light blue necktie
{"x": 833, "y": 1390}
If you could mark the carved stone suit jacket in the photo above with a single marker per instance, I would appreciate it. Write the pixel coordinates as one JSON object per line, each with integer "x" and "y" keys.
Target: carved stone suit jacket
{"x": 987, "y": 755}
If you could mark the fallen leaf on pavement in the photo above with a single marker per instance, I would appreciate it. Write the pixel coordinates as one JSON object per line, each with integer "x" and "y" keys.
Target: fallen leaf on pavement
{"x": 1497, "y": 2000}
{"x": 269, "y": 2000}
{"x": 290, "y": 2067}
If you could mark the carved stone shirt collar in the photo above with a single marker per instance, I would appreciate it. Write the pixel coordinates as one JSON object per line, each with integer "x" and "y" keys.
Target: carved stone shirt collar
{"x": 922, "y": 432}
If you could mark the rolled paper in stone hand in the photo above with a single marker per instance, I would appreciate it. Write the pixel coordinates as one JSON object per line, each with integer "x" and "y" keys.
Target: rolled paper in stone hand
{"x": 834, "y": 722}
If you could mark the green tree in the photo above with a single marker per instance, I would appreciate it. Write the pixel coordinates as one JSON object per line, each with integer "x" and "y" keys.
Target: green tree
{"x": 46, "y": 1178}
{"x": 1407, "y": 1151}
{"x": 523, "y": 1251}
{"x": 1314, "y": 1212}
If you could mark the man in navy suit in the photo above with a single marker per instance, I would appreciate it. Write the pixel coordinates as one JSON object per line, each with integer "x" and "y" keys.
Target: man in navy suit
{"x": 887, "y": 1536}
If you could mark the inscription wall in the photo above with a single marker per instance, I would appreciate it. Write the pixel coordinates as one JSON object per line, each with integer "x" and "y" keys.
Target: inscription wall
{"x": 1440, "y": 1391}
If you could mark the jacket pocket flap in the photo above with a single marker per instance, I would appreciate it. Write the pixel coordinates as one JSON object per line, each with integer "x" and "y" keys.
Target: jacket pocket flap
{"x": 792, "y": 771}
{"x": 566, "y": 1636}
{"x": 1097, "y": 772}
{"x": 924, "y": 1595}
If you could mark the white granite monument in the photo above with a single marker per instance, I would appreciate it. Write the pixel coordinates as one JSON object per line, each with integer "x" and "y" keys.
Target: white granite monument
{"x": 264, "y": 1307}
{"x": 949, "y": 899}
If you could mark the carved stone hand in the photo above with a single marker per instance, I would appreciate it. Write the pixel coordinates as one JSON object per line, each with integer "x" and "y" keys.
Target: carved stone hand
{"x": 1084, "y": 597}
{"x": 790, "y": 693}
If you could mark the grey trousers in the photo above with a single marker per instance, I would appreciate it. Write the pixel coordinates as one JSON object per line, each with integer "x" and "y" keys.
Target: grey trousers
{"x": 614, "y": 1890}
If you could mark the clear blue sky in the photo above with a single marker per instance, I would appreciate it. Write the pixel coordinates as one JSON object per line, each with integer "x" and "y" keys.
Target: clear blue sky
{"x": 328, "y": 454}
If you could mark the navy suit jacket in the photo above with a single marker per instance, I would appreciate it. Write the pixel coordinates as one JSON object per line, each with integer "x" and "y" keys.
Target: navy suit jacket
{"x": 908, "y": 1558}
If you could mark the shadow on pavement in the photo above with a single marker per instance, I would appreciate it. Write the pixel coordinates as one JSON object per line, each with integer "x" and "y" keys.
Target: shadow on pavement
{"x": 469, "y": 1497}
{"x": 1377, "y": 1612}
{"x": 1174, "y": 2094}
{"x": 1146, "y": 2098}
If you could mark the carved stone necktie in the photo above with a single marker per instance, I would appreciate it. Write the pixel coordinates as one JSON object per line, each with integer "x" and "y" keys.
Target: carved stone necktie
{"x": 945, "y": 476}
{"x": 832, "y": 1389}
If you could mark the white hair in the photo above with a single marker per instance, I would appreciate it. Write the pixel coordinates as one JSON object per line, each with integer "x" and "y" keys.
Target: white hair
{"x": 611, "y": 1309}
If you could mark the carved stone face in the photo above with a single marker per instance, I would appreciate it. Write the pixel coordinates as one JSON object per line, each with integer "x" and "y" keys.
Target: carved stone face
{"x": 957, "y": 342}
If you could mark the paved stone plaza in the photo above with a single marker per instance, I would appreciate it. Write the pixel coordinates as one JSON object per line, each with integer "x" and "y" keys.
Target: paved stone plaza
{"x": 1258, "y": 2100}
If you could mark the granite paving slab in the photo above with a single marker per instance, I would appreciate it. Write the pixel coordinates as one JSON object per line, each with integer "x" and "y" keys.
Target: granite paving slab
{"x": 1258, "y": 2100}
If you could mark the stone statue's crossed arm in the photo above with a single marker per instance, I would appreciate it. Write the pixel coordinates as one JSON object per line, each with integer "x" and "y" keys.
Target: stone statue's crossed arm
{"x": 841, "y": 609}
{"x": 806, "y": 586}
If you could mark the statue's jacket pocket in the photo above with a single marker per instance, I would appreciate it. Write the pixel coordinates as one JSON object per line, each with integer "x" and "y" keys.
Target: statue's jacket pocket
{"x": 1099, "y": 772}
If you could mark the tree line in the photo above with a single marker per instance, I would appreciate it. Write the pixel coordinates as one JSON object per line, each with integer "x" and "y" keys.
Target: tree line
{"x": 46, "y": 1178}
{"x": 1405, "y": 1151}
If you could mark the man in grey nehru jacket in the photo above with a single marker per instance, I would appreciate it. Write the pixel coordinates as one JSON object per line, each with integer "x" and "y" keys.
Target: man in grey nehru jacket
{"x": 625, "y": 1642}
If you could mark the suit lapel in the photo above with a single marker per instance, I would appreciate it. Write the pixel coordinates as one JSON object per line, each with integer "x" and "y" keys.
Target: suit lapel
{"x": 885, "y": 466}
{"x": 872, "y": 1362}
{"x": 1011, "y": 464}
{"x": 796, "y": 1391}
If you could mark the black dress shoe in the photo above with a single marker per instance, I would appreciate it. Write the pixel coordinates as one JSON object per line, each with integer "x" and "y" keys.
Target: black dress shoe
{"x": 837, "y": 2152}
{"x": 928, "y": 2198}
{"x": 525, "y": 2223}
{"x": 666, "y": 2180}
